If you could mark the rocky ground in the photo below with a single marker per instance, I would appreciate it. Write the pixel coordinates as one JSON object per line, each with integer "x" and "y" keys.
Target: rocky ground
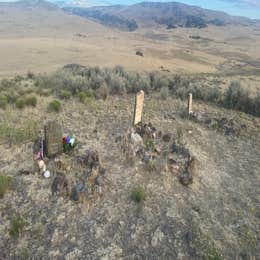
{"x": 216, "y": 217}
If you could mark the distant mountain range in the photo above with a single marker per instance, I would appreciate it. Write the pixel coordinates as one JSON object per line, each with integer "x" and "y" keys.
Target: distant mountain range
{"x": 170, "y": 15}
{"x": 142, "y": 15}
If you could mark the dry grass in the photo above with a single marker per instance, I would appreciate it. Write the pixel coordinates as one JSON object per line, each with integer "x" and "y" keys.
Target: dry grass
{"x": 28, "y": 42}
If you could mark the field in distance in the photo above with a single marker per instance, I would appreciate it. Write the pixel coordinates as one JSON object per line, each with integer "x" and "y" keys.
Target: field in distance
{"x": 40, "y": 37}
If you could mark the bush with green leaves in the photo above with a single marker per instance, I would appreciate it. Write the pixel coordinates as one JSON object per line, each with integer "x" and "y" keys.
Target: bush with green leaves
{"x": 80, "y": 81}
{"x": 20, "y": 103}
{"x": 31, "y": 101}
{"x": 103, "y": 92}
{"x": 54, "y": 106}
{"x": 82, "y": 96}
{"x": 164, "y": 93}
{"x": 213, "y": 95}
{"x": 235, "y": 95}
{"x": 65, "y": 94}
{"x": 138, "y": 194}
{"x": 5, "y": 184}
{"x": 3, "y": 101}
{"x": 117, "y": 85}
{"x": 16, "y": 227}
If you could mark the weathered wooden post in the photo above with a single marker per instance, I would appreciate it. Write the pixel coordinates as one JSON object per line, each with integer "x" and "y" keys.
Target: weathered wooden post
{"x": 190, "y": 104}
{"x": 139, "y": 103}
{"x": 53, "y": 138}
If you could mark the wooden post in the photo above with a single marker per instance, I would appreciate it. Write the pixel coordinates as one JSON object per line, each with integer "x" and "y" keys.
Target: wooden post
{"x": 190, "y": 104}
{"x": 139, "y": 103}
{"x": 53, "y": 138}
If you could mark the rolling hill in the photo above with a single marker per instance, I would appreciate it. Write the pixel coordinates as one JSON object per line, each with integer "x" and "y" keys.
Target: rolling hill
{"x": 40, "y": 18}
{"x": 148, "y": 14}
{"x": 39, "y": 36}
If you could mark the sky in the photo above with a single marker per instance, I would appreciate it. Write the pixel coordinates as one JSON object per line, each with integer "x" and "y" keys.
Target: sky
{"x": 248, "y": 8}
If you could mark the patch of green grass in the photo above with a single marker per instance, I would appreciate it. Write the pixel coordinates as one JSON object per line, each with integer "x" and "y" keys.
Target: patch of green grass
{"x": 213, "y": 125}
{"x": 16, "y": 227}
{"x": 20, "y": 103}
{"x": 5, "y": 184}
{"x": 138, "y": 194}
{"x": 19, "y": 134}
{"x": 31, "y": 101}
{"x": 54, "y": 106}
{"x": 82, "y": 97}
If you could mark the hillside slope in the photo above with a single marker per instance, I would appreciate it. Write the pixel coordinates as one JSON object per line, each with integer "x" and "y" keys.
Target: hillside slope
{"x": 40, "y": 18}
{"x": 147, "y": 14}
{"x": 214, "y": 218}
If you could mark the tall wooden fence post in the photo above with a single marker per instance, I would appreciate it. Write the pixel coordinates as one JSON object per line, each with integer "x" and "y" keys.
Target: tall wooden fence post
{"x": 190, "y": 104}
{"x": 139, "y": 103}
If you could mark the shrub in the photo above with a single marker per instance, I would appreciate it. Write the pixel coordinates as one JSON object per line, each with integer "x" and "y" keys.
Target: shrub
{"x": 138, "y": 194}
{"x": 20, "y": 103}
{"x": 89, "y": 93}
{"x": 82, "y": 96}
{"x": 117, "y": 85}
{"x": 12, "y": 96}
{"x": 119, "y": 70}
{"x": 164, "y": 93}
{"x": 54, "y": 106}
{"x": 5, "y": 184}
{"x": 103, "y": 92}
{"x": 160, "y": 82}
{"x": 235, "y": 95}
{"x": 3, "y": 101}
{"x": 214, "y": 95}
{"x": 31, "y": 101}
{"x": 17, "y": 226}
{"x": 64, "y": 94}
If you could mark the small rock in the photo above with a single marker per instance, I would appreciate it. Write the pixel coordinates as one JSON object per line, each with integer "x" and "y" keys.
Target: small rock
{"x": 99, "y": 181}
{"x": 186, "y": 179}
{"x": 166, "y": 138}
{"x": 59, "y": 184}
{"x": 157, "y": 237}
{"x": 77, "y": 191}
{"x": 136, "y": 139}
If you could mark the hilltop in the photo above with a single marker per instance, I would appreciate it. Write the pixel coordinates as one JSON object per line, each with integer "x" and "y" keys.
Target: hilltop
{"x": 147, "y": 14}
{"x": 215, "y": 217}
